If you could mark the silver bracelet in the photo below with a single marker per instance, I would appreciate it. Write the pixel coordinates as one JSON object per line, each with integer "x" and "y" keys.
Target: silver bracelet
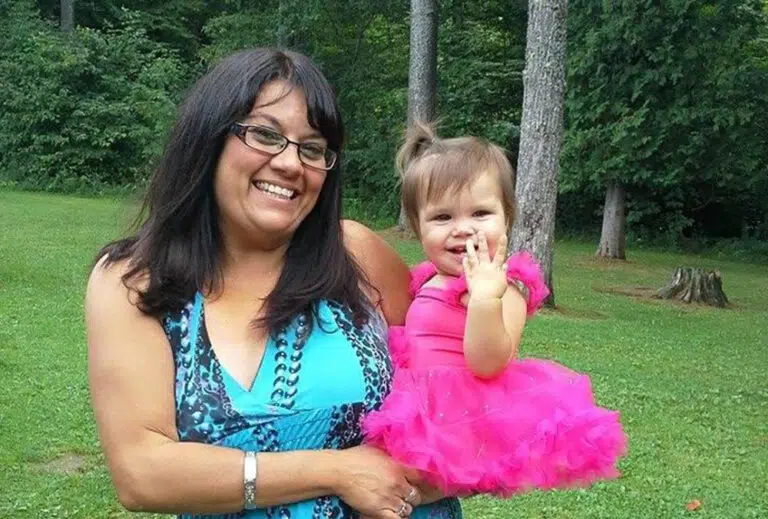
{"x": 520, "y": 286}
{"x": 250, "y": 471}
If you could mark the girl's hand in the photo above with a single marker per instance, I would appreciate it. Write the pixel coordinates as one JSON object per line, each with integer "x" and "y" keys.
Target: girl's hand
{"x": 375, "y": 485}
{"x": 486, "y": 277}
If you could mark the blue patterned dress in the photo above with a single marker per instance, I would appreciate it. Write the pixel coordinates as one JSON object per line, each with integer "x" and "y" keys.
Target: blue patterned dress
{"x": 310, "y": 392}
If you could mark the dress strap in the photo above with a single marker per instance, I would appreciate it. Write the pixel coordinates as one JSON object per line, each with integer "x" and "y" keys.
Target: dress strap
{"x": 521, "y": 268}
{"x": 420, "y": 274}
{"x": 195, "y": 318}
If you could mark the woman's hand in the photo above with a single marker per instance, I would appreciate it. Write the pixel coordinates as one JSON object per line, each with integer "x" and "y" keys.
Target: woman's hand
{"x": 428, "y": 493}
{"x": 375, "y": 485}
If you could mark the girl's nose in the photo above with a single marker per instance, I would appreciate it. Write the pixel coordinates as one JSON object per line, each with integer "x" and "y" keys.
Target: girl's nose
{"x": 463, "y": 230}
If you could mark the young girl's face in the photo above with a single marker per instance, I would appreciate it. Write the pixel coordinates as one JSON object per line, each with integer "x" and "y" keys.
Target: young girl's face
{"x": 450, "y": 219}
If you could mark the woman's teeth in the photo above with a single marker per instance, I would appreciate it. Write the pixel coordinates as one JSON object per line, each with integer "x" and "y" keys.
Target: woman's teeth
{"x": 275, "y": 191}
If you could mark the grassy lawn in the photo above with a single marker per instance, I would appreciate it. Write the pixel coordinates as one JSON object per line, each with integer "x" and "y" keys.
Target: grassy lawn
{"x": 690, "y": 382}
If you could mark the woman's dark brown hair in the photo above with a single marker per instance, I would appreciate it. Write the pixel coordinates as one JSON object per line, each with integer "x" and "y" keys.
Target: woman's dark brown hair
{"x": 178, "y": 242}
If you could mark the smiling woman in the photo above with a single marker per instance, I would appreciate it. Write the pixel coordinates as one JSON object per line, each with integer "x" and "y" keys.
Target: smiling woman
{"x": 266, "y": 193}
{"x": 211, "y": 328}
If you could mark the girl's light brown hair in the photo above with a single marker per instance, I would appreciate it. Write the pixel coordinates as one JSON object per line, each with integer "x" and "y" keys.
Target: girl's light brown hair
{"x": 430, "y": 166}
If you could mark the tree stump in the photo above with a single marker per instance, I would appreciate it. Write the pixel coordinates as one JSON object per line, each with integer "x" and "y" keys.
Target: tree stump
{"x": 693, "y": 285}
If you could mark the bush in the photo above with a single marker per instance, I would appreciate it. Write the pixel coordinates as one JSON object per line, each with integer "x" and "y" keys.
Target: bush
{"x": 85, "y": 111}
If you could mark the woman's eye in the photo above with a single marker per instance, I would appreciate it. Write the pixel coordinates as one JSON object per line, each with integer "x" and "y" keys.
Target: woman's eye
{"x": 266, "y": 136}
{"x": 313, "y": 151}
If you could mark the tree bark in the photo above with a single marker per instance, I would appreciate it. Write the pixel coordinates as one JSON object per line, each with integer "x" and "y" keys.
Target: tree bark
{"x": 67, "y": 20}
{"x": 541, "y": 134}
{"x": 422, "y": 74}
{"x": 612, "y": 237}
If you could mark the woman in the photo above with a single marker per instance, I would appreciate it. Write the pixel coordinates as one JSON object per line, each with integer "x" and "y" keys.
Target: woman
{"x": 238, "y": 337}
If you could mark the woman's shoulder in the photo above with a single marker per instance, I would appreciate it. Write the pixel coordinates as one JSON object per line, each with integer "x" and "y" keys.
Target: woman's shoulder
{"x": 382, "y": 267}
{"x": 114, "y": 277}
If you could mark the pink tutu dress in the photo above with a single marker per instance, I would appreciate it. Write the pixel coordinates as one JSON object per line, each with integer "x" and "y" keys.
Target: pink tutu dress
{"x": 535, "y": 426}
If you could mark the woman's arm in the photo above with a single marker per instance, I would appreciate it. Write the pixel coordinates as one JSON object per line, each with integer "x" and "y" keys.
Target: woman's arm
{"x": 390, "y": 275}
{"x": 384, "y": 268}
{"x": 132, "y": 386}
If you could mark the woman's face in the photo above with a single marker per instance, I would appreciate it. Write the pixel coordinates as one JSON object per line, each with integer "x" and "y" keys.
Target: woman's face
{"x": 263, "y": 198}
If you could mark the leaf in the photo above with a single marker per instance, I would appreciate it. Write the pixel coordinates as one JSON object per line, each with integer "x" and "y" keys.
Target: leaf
{"x": 693, "y": 505}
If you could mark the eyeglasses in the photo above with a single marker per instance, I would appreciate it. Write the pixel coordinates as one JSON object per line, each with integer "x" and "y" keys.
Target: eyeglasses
{"x": 267, "y": 140}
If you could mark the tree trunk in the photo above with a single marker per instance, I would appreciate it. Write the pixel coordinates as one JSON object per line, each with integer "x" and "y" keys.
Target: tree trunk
{"x": 692, "y": 285}
{"x": 422, "y": 74}
{"x": 67, "y": 21}
{"x": 541, "y": 133}
{"x": 612, "y": 238}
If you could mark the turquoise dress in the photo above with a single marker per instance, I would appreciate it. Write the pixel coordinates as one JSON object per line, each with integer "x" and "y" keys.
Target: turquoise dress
{"x": 311, "y": 390}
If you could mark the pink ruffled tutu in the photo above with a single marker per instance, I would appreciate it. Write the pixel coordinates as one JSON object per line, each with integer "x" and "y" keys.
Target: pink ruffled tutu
{"x": 534, "y": 426}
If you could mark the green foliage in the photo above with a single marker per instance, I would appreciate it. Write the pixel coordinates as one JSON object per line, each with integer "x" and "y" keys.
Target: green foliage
{"x": 670, "y": 98}
{"x": 84, "y": 111}
{"x": 176, "y": 23}
{"x": 480, "y": 64}
{"x": 657, "y": 100}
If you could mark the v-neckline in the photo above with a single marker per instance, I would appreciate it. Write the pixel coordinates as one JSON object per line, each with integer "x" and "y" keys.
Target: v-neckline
{"x": 203, "y": 330}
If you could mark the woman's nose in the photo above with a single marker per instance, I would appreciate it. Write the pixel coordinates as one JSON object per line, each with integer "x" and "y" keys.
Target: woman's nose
{"x": 287, "y": 161}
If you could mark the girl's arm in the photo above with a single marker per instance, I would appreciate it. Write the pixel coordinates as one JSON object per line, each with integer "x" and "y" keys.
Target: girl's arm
{"x": 131, "y": 373}
{"x": 496, "y": 312}
{"x": 493, "y": 332}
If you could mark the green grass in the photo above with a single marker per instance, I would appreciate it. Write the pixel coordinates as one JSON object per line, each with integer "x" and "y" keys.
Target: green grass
{"x": 690, "y": 382}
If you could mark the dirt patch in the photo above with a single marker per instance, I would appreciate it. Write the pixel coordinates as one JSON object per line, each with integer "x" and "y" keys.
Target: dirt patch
{"x": 641, "y": 292}
{"x": 649, "y": 294}
{"x": 574, "y": 313}
{"x": 64, "y": 464}
{"x": 636, "y": 268}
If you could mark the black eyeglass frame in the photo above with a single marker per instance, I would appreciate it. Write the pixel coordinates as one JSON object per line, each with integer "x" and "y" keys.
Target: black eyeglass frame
{"x": 240, "y": 130}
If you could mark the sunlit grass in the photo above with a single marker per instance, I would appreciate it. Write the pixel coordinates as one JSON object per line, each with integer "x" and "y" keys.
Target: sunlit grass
{"x": 690, "y": 382}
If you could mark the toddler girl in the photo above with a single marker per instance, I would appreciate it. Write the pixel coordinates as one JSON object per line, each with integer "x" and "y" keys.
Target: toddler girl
{"x": 463, "y": 409}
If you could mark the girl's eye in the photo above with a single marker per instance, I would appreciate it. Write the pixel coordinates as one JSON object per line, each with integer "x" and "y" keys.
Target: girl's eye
{"x": 442, "y": 217}
{"x": 481, "y": 213}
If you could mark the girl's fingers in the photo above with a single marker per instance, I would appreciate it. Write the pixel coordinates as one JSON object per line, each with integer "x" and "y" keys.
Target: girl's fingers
{"x": 482, "y": 248}
{"x": 471, "y": 252}
{"x": 465, "y": 265}
{"x": 501, "y": 252}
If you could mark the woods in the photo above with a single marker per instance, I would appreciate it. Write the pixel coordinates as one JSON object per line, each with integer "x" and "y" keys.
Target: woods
{"x": 664, "y": 120}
